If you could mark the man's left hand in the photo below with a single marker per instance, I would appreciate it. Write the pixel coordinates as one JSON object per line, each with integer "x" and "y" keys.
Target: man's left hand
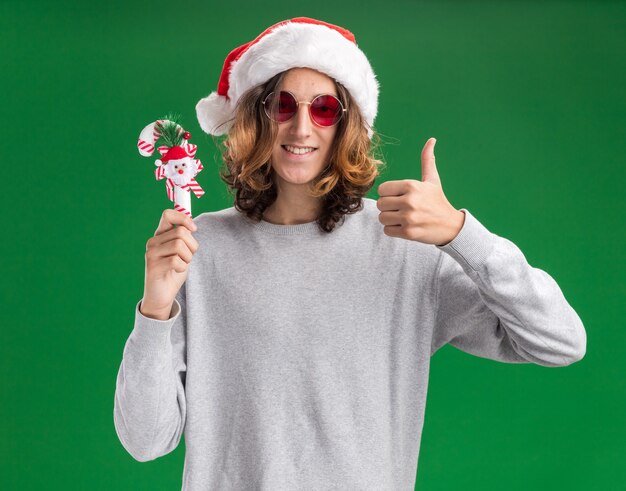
{"x": 419, "y": 210}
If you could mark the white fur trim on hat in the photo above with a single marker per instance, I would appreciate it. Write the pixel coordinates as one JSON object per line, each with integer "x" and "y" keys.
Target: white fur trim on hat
{"x": 290, "y": 45}
{"x": 212, "y": 111}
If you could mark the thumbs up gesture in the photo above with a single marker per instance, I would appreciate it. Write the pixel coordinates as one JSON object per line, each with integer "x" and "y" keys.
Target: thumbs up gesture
{"x": 418, "y": 210}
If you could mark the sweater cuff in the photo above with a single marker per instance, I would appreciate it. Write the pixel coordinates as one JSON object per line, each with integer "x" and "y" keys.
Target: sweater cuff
{"x": 473, "y": 243}
{"x": 154, "y": 334}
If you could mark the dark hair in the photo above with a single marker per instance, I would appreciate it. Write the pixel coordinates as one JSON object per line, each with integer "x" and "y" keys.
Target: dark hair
{"x": 247, "y": 148}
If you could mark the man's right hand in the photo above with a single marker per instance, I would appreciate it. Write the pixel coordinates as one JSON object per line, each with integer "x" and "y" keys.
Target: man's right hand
{"x": 168, "y": 255}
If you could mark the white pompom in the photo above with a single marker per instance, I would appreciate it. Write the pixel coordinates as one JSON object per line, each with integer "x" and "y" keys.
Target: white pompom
{"x": 213, "y": 111}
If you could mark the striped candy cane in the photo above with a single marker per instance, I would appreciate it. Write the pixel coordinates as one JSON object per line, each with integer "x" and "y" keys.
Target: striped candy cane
{"x": 179, "y": 194}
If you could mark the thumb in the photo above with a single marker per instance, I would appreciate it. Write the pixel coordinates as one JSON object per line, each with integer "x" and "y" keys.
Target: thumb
{"x": 429, "y": 168}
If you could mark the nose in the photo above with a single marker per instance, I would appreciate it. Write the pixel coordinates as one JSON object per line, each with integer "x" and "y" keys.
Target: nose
{"x": 301, "y": 123}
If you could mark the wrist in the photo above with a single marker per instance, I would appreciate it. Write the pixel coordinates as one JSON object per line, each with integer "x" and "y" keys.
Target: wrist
{"x": 457, "y": 221}
{"x": 161, "y": 314}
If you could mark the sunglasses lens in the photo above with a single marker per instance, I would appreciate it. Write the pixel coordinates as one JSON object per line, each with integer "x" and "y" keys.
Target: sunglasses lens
{"x": 280, "y": 108}
{"x": 326, "y": 110}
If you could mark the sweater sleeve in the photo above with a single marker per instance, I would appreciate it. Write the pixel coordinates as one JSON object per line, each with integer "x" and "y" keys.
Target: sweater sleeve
{"x": 150, "y": 408}
{"x": 491, "y": 303}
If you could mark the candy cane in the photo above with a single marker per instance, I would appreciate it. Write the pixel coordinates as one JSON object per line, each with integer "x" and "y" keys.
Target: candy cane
{"x": 179, "y": 194}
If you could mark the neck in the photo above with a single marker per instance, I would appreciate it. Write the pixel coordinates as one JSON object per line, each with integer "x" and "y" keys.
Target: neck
{"x": 292, "y": 208}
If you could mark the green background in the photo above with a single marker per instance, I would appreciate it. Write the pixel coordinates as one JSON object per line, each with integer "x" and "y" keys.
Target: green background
{"x": 527, "y": 102}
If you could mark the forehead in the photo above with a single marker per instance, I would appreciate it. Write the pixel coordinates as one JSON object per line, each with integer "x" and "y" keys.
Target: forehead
{"x": 306, "y": 83}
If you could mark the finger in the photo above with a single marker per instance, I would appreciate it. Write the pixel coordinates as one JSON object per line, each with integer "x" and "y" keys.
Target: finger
{"x": 177, "y": 233}
{"x": 393, "y": 230}
{"x": 171, "y": 217}
{"x": 390, "y": 218}
{"x": 393, "y": 188}
{"x": 390, "y": 203}
{"x": 176, "y": 247}
{"x": 172, "y": 262}
{"x": 429, "y": 167}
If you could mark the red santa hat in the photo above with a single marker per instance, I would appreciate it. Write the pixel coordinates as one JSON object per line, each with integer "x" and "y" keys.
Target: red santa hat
{"x": 174, "y": 153}
{"x": 298, "y": 42}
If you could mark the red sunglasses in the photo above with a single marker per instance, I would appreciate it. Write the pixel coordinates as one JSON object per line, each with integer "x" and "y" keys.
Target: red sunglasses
{"x": 325, "y": 110}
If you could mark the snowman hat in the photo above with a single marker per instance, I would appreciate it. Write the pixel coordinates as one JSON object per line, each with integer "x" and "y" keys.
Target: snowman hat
{"x": 297, "y": 42}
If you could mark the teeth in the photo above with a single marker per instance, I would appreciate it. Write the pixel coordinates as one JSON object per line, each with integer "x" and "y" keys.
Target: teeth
{"x": 298, "y": 151}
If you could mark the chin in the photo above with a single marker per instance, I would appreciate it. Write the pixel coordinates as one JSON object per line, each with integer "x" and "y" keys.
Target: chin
{"x": 297, "y": 173}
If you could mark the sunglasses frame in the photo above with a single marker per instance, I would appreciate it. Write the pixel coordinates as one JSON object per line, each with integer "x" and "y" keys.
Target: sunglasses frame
{"x": 343, "y": 109}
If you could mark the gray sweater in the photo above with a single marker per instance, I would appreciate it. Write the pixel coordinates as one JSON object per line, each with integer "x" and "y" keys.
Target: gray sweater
{"x": 298, "y": 360}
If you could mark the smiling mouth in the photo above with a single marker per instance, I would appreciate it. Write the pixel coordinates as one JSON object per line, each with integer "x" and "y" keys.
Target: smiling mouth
{"x": 297, "y": 154}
